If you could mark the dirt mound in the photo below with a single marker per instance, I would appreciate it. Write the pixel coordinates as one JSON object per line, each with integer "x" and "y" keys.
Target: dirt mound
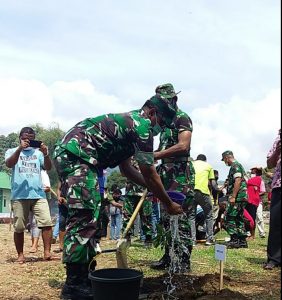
{"x": 187, "y": 287}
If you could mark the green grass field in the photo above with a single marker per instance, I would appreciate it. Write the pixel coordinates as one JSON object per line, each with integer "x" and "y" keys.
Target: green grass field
{"x": 243, "y": 267}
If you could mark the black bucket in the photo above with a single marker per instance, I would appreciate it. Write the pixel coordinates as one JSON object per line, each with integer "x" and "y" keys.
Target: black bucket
{"x": 115, "y": 284}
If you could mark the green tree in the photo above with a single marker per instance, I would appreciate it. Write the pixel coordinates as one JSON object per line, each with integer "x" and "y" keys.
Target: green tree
{"x": 116, "y": 178}
{"x": 11, "y": 141}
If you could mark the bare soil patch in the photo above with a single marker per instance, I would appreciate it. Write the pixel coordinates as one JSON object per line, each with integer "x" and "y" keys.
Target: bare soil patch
{"x": 189, "y": 287}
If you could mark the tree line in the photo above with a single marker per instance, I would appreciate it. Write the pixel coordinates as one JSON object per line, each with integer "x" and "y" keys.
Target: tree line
{"x": 50, "y": 136}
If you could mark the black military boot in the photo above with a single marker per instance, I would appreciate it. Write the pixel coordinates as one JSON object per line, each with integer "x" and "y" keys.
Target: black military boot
{"x": 242, "y": 242}
{"x": 163, "y": 263}
{"x": 76, "y": 287}
{"x": 233, "y": 243}
{"x": 85, "y": 271}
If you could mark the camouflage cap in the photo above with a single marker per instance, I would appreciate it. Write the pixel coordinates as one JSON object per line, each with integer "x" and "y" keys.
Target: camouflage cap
{"x": 166, "y": 90}
{"x": 225, "y": 153}
{"x": 164, "y": 108}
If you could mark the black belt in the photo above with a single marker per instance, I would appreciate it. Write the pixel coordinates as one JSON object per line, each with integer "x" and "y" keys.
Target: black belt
{"x": 174, "y": 160}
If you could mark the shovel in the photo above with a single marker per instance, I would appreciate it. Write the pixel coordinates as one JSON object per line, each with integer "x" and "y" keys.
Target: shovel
{"x": 123, "y": 244}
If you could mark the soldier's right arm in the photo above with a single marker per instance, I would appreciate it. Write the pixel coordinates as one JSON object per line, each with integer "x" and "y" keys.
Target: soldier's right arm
{"x": 179, "y": 149}
{"x": 154, "y": 184}
{"x": 149, "y": 178}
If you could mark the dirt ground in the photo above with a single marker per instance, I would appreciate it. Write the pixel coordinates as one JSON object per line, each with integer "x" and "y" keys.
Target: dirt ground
{"x": 42, "y": 280}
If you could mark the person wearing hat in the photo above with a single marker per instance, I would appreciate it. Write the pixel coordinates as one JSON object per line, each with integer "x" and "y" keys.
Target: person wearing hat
{"x": 90, "y": 146}
{"x": 257, "y": 171}
{"x": 177, "y": 173}
{"x": 237, "y": 201}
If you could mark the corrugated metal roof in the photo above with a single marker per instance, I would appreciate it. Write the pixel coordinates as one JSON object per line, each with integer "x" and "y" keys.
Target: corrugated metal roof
{"x": 5, "y": 181}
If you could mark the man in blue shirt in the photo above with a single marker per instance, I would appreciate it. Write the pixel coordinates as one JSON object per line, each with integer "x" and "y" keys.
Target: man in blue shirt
{"x": 28, "y": 191}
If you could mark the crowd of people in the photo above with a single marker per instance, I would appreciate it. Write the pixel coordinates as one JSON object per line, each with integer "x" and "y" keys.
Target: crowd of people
{"x": 86, "y": 206}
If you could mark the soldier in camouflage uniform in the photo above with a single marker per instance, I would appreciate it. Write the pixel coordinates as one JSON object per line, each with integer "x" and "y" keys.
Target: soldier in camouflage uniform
{"x": 98, "y": 143}
{"x": 237, "y": 201}
{"x": 177, "y": 173}
{"x": 133, "y": 193}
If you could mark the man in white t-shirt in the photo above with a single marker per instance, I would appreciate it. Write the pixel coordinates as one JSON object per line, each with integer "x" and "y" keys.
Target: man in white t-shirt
{"x": 27, "y": 192}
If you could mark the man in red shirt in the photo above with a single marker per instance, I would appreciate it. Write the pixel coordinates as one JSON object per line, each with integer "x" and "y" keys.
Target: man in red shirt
{"x": 253, "y": 190}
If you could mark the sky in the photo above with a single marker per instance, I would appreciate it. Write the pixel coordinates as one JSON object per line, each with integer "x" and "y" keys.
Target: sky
{"x": 63, "y": 61}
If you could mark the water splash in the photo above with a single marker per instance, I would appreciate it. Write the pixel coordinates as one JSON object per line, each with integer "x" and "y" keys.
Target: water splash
{"x": 175, "y": 262}
{"x": 177, "y": 251}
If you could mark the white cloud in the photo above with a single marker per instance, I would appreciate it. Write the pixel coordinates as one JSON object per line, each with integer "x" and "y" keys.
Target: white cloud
{"x": 31, "y": 101}
{"x": 216, "y": 48}
{"x": 24, "y": 102}
{"x": 74, "y": 101}
{"x": 67, "y": 64}
{"x": 246, "y": 127}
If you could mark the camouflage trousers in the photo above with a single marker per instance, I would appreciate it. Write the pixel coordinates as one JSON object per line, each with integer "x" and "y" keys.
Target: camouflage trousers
{"x": 80, "y": 188}
{"x": 234, "y": 219}
{"x": 145, "y": 213}
{"x": 179, "y": 177}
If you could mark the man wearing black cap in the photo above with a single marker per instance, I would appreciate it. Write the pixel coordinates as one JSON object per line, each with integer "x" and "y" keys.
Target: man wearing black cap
{"x": 237, "y": 201}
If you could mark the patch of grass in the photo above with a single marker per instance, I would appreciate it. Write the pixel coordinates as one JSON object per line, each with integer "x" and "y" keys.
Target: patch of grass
{"x": 238, "y": 261}
{"x": 243, "y": 266}
{"x": 54, "y": 283}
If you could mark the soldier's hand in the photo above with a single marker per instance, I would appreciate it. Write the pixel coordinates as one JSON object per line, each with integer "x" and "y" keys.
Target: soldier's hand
{"x": 174, "y": 209}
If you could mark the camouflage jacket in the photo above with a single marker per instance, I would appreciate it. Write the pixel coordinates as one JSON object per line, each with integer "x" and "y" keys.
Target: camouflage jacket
{"x": 109, "y": 139}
